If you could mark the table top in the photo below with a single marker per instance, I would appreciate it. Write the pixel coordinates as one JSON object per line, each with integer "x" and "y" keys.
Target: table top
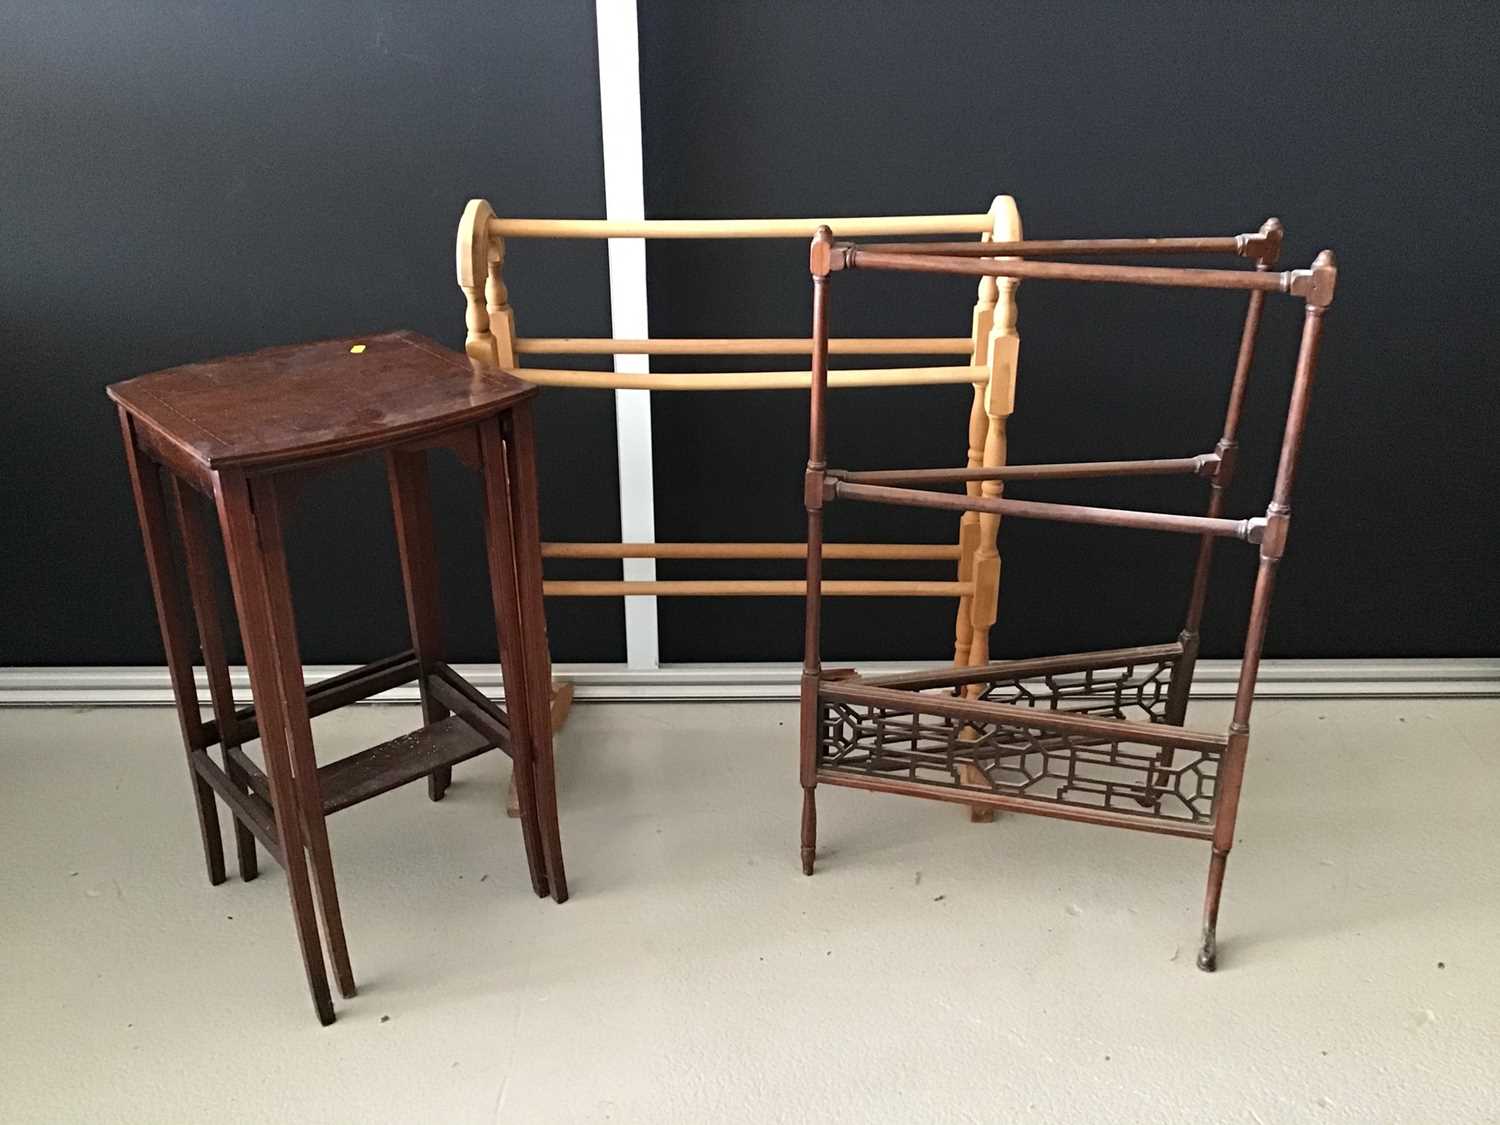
{"x": 308, "y": 400}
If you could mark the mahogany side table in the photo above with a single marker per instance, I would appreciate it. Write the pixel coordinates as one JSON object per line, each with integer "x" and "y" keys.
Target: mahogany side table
{"x": 231, "y": 437}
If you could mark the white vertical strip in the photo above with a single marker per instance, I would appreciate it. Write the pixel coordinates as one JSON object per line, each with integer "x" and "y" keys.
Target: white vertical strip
{"x": 624, "y": 198}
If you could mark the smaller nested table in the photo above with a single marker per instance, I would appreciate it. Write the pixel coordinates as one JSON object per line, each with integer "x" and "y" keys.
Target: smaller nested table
{"x": 228, "y": 440}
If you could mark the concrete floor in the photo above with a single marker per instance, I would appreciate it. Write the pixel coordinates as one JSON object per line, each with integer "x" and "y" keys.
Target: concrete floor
{"x": 933, "y": 970}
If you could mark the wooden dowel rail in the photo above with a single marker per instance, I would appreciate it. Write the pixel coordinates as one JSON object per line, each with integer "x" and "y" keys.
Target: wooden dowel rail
{"x": 1027, "y": 718}
{"x": 870, "y": 345}
{"x": 1163, "y": 466}
{"x": 331, "y": 694}
{"x": 1295, "y": 282}
{"x": 1031, "y": 666}
{"x": 862, "y": 227}
{"x": 753, "y": 380}
{"x": 1249, "y": 530}
{"x": 877, "y": 551}
{"x": 757, "y": 588}
{"x": 1236, "y": 244}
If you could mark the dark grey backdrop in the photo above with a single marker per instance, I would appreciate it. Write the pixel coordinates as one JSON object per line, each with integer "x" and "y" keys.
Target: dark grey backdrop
{"x": 1364, "y": 127}
{"x": 179, "y": 183}
{"x": 186, "y": 180}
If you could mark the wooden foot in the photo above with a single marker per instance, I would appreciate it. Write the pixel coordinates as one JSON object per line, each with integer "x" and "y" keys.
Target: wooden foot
{"x": 978, "y": 814}
{"x": 562, "y": 703}
{"x": 1208, "y": 950}
{"x": 809, "y": 830}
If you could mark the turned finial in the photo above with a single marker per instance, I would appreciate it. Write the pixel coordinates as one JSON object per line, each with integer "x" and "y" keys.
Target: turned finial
{"x": 472, "y": 255}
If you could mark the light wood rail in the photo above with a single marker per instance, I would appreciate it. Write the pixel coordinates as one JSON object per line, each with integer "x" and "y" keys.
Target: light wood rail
{"x": 858, "y": 345}
{"x": 863, "y": 227}
{"x": 988, "y": 368}
{"x": 757, "y": 588}
{"x": 752, "y": 380}
{"x": 887, "y": 551}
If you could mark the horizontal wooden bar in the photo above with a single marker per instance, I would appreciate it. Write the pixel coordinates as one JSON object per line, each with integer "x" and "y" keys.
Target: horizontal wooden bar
{"x": 1029, "y": 718}
{"x": 1166, "y": 466}
{"x": 454, "y": 692}
{"x": 1011, "y": 803}
{"x": 752, "y": 380}
{"x": 1249, "y": 530}
{"x": 251, "y": 809}
{"x": 886, "y": 551}
{"x": 255, "y": 777}
{"x": 780, "y": 345}
{"x": 383, "y": 767}
{"x": 757, "y": 588}
{"x": 333, "y": 693}
{"x": 1208, "y": 244}
{"x": 1168, "y": 276}
{"x": 1032, "y": 666}
{"x": 850, "y": 227}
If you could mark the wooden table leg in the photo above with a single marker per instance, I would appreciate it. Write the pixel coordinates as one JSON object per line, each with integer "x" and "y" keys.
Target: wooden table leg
{"x": 411, "y": 504}
{"x": 521, "y": 460}
{"x": 499, "y": 541}
{"x": 292, "y": 700}
{"x": 562, "y": 703}
{"x": 247, "y": 578}
{"x": 150, "y": 506}
{"x": 197, "y": 548}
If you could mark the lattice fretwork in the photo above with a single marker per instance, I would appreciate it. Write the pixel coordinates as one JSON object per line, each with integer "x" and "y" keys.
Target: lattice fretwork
{"x": 1028, "y": 762}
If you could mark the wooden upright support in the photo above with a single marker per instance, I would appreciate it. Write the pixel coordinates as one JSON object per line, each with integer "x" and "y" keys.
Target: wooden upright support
{"x": 999, "y": 400}
{"x": 995, "y": 343}
{"x": 473, "y": 273}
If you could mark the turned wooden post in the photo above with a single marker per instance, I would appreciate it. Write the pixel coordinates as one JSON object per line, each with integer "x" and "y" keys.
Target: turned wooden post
{"x": 473, "y": 260}
{"x": 995, "y": 346}
{"x": 497, "y": 304}
{"x": 968, "y": 526}
{"x": 999, "y": 401}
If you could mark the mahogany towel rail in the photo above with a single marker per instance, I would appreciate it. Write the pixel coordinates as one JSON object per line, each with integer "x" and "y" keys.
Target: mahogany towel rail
{"x": 1096, "y": 736}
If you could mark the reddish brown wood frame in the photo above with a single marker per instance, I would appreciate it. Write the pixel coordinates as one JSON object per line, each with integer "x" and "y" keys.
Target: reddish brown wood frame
{"x": 1095, "y": 737}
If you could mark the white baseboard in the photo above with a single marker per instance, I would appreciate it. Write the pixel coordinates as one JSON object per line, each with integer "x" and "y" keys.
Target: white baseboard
{"x": 615, "y": 683}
